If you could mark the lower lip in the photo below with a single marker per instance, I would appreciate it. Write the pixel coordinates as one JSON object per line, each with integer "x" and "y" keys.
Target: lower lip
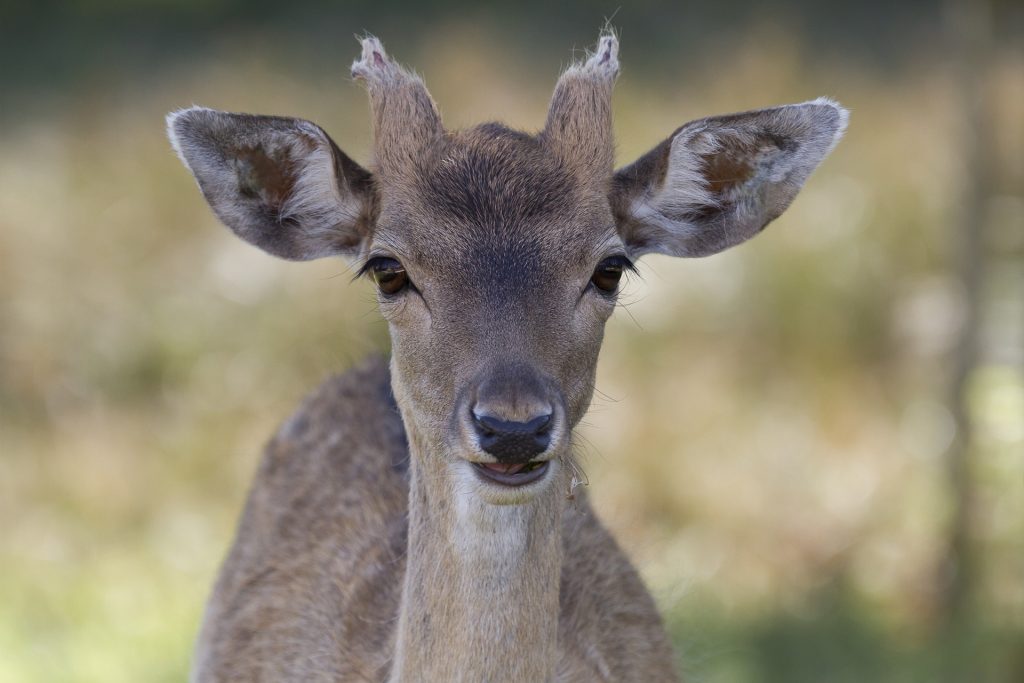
{"x": 511, "y": 480}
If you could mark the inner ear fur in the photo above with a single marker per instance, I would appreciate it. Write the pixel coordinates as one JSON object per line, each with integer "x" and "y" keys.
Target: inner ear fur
{"x": 278, "y": 183}
{"x": 719, "y": 181}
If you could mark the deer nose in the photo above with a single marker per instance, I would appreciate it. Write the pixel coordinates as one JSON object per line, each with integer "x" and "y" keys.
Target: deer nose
{"x": 513, "y": 442}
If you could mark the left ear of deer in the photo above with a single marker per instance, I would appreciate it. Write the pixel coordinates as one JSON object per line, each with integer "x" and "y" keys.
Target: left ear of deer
{"x": 278, "y": 183}
{"x": 719, "y": 181}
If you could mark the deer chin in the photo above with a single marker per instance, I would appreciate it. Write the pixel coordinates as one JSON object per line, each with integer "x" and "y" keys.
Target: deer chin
{"x": 500, "y": 484}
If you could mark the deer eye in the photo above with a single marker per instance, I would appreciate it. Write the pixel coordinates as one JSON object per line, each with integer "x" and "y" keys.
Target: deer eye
{"x": 388, "y": 274}
{"x": 608, "y": 273}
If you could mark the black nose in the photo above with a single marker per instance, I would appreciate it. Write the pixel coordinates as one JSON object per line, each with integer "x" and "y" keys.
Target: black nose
{"x": 513, "y": 442}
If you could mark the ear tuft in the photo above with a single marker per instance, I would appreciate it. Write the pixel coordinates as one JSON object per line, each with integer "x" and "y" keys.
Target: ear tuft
{"x": 178, "y": 124}
{"x": 831, "y": 109}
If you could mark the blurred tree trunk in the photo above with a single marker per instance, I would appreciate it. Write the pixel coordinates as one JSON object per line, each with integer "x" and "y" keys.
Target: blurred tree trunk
{"x": 969, "y": 23}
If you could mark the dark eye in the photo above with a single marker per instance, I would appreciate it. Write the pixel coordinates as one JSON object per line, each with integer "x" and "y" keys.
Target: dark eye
{"x": 608, "y": 273}
{"x": 388, "y": 274}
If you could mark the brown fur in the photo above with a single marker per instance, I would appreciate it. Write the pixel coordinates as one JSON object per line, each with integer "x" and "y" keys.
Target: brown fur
{"x": 311, "y": 589}
{"x": 372, "y": 548}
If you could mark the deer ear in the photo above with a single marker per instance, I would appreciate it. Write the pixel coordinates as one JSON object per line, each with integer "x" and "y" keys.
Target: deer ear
{"x": 278, "y": 183}
{"x": 718, "y": 181}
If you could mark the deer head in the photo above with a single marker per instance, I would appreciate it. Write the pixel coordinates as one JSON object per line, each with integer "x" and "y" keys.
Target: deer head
{"x": 497, "y": 254}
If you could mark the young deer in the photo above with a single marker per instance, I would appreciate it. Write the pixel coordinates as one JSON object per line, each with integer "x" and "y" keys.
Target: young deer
{"x": 410, "y": 522}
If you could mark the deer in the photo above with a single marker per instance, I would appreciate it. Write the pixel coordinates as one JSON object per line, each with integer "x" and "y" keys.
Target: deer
{"x": 417, "y": 518}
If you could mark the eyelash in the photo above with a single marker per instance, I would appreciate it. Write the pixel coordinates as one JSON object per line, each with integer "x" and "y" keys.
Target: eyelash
{"x": 609, "y": 272}
{"x": 388, "y": 274}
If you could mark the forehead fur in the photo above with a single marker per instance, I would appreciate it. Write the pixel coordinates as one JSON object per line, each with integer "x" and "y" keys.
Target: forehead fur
{"x": 492, "y": 179}
{"x": 495, "y": 204}
{"x": 492, "y": 186}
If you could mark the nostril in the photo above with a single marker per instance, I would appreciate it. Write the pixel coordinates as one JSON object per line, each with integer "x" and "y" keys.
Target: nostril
{"x": 539, "y": 424}
{"x": 513, "y": 441}
{"x": 485, "y": 424}
{"x": 488, "y": 424}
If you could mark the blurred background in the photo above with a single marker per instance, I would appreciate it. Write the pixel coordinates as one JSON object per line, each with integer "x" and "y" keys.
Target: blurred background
{"x": 811, "y": 445}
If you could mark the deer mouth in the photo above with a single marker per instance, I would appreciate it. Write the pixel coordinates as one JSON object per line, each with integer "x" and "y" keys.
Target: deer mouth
{"x": 519, "y": 474}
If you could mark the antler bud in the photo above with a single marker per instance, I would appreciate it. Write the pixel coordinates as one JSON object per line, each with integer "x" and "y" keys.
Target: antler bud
{"x": 405, "y": 118}
{"x": 579, "y": 125}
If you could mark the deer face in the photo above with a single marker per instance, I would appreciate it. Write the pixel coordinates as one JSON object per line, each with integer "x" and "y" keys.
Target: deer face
{"x": 496, "y": 269}
{"x": 497, "y": 255}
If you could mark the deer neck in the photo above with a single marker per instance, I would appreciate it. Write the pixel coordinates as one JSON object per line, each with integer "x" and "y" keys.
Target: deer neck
{"x": 480, "y": 599}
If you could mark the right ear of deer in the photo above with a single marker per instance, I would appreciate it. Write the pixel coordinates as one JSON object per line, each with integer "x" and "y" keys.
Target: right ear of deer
{"x": 719, "y": 181}
{"x": 278, "y": 183}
